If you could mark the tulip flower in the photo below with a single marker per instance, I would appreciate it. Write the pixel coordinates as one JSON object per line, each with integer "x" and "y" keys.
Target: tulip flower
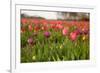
{"x": 59, "y": 26}
{"x": 73, "y": 36}
{"x": 77, "y": 31}
{"x": 35, "y": 21}
{"x": 64, "y": 31}
{"x": 30, "y": 27}
{"x": 85, "y": 31}
{"x": 44, "y": 27}
{"x": 83, "y": 38}
{"x": 36, "y": 28}
{"x": 44, "y": 22}
{"x": 53, "y": 26}
{"x": 47, "y": 34}
{"x": 30, "y": 41}
{"x": 24, "y": 21}
{"x": 34, "y": 57}
{"x": 59, "y": 22}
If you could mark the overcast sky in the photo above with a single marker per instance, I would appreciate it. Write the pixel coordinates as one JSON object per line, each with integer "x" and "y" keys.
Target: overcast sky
{"x": 45, "y": 14}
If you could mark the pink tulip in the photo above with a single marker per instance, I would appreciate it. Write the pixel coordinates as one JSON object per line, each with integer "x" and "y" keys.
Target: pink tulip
{"x": 30, "y": 41}
{"x": 64, "y": 31}
{"x": 47, "y": 34}
{"x": 73, "y": 36}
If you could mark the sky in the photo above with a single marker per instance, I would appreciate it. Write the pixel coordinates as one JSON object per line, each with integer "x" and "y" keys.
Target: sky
{"x": 45, "y": 14}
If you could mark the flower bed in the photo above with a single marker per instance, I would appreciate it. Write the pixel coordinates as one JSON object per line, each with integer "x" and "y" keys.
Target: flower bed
{"x": 54, "y": 40}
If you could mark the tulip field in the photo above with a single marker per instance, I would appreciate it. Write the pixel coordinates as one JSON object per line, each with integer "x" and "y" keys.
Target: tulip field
{"x": 45, "y": 40}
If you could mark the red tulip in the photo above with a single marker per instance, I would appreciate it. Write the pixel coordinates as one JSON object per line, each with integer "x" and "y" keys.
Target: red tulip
{"x": 24, "y": 21}
{"x": 36, "y": 28}
{"x": 44, "y": 22}
{"x": 59, "y": 22}
{"x": 35, "y": 21}
{"x": 65, "y": 31}
{"x": 44, "y": 27}
{"x": 59, "y": 26}
{"x": 53, "y": 26}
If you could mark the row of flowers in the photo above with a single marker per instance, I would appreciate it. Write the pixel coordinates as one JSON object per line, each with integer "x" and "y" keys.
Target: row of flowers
{"x": 55, "y": 24}
{"x": 79, "y": 24}
{"x": 44, "y": 21}
{"x": 72, "y": 35}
